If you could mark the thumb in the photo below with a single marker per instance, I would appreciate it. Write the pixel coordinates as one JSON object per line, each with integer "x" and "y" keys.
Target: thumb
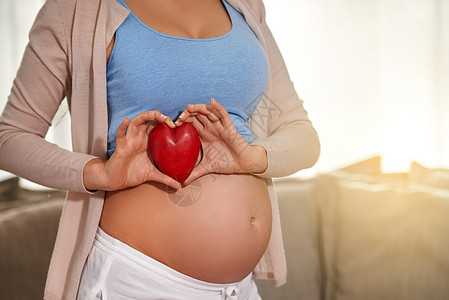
{"x": 197, "y": 172}
{"x": 165, "y": 179}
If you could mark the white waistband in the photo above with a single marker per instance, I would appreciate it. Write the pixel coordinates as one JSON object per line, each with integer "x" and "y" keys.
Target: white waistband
{"x": 148, "y": 265}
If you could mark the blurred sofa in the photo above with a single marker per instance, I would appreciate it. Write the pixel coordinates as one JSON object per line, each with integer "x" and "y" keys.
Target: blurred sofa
{"x": 358, "y": 234}
{"x": 28, "y": 224}
{"x": 353, "y": 234}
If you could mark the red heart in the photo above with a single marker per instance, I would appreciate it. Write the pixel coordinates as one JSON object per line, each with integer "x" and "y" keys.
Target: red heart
{"x": 175, "y": 151}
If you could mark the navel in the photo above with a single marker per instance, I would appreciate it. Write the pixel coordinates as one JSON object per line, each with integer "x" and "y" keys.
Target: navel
{"x": 253, "y": 220}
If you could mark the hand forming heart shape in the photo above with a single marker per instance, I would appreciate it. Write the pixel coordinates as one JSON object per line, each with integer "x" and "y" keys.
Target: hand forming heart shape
{"x": 175, "y": 151}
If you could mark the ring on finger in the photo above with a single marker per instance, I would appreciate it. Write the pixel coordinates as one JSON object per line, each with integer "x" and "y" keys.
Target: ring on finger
{"x": 216, "y": 120}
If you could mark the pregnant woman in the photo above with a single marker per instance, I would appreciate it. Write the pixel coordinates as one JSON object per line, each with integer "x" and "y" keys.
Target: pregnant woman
{"x": 127, "y": 230}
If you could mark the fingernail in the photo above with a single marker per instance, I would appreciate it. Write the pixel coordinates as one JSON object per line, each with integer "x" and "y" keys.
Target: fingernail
{"x": 177, "y": 123}
{"x": 182, "y": 115}
{"x": 164, "y": 116}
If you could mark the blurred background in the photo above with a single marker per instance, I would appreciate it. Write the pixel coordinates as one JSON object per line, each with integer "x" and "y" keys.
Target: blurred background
{"x": 374, "y": 75}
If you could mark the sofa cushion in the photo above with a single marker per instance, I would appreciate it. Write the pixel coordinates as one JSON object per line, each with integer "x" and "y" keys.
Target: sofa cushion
{"x": 438, "y": 178}
{"x": 384, "y": 238}
{"x": 27, "y": 236}
{"x": 299, "y": 229}
{"x": 9, "y": 189}
{"x": 369, "y": 166}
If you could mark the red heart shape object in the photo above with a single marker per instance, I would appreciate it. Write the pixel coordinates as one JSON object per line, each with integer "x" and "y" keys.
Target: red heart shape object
{"x": 175, "y": 151}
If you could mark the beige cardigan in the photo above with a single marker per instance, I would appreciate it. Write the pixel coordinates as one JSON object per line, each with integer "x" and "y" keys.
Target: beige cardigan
{"x": 66, "y": 57}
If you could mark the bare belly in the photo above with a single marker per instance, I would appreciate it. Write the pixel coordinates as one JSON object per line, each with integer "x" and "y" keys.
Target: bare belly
{"x": 216, "y": 229}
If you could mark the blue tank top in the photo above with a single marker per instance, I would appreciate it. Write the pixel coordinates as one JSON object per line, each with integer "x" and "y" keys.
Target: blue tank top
{"x": 149, "y": 70}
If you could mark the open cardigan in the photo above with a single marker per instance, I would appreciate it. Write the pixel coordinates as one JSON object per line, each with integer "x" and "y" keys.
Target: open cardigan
{"x": 66, "y": 57}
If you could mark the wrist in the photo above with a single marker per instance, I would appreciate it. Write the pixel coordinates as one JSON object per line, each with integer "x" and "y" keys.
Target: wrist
{"x": 259, "y": 162}
{"x": 94, "y": 176}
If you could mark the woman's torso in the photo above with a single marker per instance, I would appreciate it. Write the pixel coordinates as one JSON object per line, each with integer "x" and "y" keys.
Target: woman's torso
{"x": 217, "y": 228}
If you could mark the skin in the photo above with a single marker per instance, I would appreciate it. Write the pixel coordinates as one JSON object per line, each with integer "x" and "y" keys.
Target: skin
{"x": 129, "y": 166}
{"x": 184, "y": 18}
{"x": 223, "y": 235}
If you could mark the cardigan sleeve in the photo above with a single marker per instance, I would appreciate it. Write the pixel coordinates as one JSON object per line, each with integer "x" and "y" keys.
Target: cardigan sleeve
{"x": 41, "y": 83}
{"x": 292, "y": 143}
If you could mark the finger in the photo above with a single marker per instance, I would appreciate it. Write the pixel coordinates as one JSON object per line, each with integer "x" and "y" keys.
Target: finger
{"x": 141, "y": 119}
{"x": 165, "y": 179}
{"x": 170, "y": 122}
{"x": 204, "y": 109}
{"x": 197, "y": 124}
{"x": 183, "y": 117}
{"x": 208, "y": 123}
{"x": 225, "y": 118}
{"x": 189, "y": 119}
{"x": 121, "y": 131}
{"x": 203, "y": 120}
{"x": 151, "y": 126}
{"x": 148, "y": 116}
{"x": 160, "y": 117}
{"x": 145, "y": 117}
{"x": 197, "y": 172}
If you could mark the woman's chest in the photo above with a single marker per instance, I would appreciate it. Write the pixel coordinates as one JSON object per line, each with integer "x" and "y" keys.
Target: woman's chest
{"x": 197, "y": 19}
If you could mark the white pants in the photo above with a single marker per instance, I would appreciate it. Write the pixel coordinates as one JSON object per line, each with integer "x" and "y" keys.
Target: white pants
{"x": 115, "y": 271}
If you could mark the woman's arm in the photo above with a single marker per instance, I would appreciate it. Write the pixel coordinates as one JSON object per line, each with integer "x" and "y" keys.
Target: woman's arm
{"x": 41, "y": 83}
{"x": 286, "y": 141}
{"x": 291, "y": 143}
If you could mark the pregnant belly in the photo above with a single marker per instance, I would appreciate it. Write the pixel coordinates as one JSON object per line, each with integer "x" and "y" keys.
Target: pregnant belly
{"x": 216, "y": 229}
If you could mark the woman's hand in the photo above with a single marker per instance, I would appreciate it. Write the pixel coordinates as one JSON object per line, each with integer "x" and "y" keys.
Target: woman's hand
{"x": 225, "y": 151}
{"x": 130, "y": 164}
